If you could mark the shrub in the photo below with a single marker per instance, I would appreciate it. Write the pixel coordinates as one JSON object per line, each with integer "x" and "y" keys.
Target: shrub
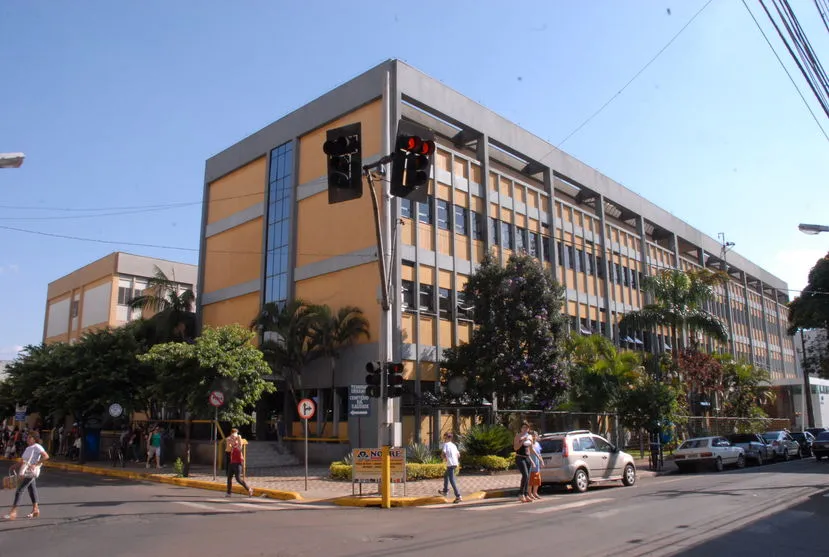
{"x": 487, "y": 462}
{"x": 482, "y": 440}
{"x": 419, "y": 453}
{"x": 414, "y": 471}
{"x": 178, "y": 468}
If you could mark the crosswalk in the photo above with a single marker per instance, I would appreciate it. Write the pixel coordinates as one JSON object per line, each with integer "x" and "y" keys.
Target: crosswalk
{"x": 230, "y": 506}
{"x": 546, "y": 506}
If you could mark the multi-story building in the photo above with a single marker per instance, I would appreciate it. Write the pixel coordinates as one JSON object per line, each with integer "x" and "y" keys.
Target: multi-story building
{"x": 269, "y": 235}
{"x": 97, "y": 295}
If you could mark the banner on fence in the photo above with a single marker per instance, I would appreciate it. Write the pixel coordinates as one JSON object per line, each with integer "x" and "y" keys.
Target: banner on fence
{"x": 368, "y": 465}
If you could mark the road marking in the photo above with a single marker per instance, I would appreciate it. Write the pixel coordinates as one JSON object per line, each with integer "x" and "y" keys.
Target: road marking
{"x": 204, "y": 507}
{"x": 257, "y": 507}
{"x": 605, "y": 514}
{"x": 567, "y": 506}
{"x": 497, "y": 506}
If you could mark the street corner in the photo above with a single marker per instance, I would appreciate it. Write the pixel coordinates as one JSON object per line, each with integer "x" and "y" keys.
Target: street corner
{"x": 374, "y": 501}
{"x": 496, "y": 493}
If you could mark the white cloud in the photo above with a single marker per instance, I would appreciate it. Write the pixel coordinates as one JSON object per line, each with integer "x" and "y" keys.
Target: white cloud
{"x": 11, "y": 268}
{"x": 10, "y": 352}
{"x": 793, "y": 266}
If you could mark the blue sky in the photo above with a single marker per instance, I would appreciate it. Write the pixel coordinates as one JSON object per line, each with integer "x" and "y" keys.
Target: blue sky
{"x": 117, "y": 105}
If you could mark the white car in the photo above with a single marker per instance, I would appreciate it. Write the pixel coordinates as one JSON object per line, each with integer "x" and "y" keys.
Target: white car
{"x": 712, "y": 451}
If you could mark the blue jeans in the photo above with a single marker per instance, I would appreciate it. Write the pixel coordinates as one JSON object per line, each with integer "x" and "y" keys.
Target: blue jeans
{"x": 523, "y": 464}
{"x": 449, "y": 478}
{"x": 31, "y": 485}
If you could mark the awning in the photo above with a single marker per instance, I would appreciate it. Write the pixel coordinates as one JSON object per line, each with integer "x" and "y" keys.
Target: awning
{"x": 586, "y": 331}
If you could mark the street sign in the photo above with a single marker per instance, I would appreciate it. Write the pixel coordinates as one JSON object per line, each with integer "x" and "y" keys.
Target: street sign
{"x": 20, "y": 413}
{"x": 115, "y": 410}
{"x": 368, "y": 465}
{"x": 359, "y": 403}
{"x": 217, "y": 398}
{"x": 306, "y": 408}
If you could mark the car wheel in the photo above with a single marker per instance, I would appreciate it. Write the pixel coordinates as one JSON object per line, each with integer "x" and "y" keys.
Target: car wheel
{"x": 718, "y": 466}
{"x": 682, "y": 468}
{"x": 629, "y": 477}
{"x": 741, "y": 461}
{"x": 580, "y": 480}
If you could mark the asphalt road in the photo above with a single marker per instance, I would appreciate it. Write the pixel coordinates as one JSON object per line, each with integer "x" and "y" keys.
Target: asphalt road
{"x": 780, "y": 509}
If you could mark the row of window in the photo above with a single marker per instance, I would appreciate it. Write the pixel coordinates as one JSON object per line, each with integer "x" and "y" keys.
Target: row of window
{"x": 426, "y": 300}
{"x": 449, "y": 217}
{"x": 126, "y": 294}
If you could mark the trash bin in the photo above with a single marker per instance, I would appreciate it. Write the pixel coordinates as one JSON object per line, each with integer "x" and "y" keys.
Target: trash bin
{"x": 93, "y": 444}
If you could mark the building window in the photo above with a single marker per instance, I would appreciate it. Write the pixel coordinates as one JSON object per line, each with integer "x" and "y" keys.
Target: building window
{"x": 532, "y": 245}
{"x": 444, "y": 303}
{"x": 506, "y": 235}
{"x": 493, "y": 231}
{"x": 464, "y": 310}
{"x": 545, "y": 247}
{"x": 407, "y": 295}
{"x": 280, "y": 215}
{"x": 626, "y": 276}
{"x": 570, "y": 257}
{"x": 619, "y": 274}
{"x": 520, "y": 239}
{"x": 75, "y": 308}
{"x": 427, "y": 300}
{"x": 477, "y": 226}
{"x": 123, "y": 295}
{"x": 579, "y": 261}
{"x": 589, "y": 264}
{"x": 424, "y": 211}
{"x": 443, "y": 214}
{"x": 600, "y": 267}
{"x": 405, "y": 207}
{"x": 460, "y": 220}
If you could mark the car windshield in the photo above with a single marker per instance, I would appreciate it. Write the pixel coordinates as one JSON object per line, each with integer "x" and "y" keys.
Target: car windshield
{"x": 771, "y": 436}
{"x": 823, "y": 436}
{"x": 799, "y": 436}
{"x": 694, "y": 444}
{"x": 743, "y": 438}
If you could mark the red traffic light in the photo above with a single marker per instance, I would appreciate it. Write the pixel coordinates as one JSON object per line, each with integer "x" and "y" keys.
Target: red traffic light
{"x": 415, "y": 145}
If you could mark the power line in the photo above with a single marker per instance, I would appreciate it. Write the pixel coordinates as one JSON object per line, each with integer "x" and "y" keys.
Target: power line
{"x": 632, "y": 79}
{"x": 785, "y": 69}
{"x": 823, "y": 9}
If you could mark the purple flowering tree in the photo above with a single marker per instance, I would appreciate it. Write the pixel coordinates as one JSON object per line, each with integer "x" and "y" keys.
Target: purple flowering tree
{"x": 515, "y": 351}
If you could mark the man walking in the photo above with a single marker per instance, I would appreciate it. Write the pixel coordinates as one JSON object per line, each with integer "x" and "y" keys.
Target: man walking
{"x": 451, "y": 456}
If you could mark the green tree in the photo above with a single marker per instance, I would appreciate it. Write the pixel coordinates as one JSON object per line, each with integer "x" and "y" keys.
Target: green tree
{"x": 222, "y": 358}
{"x": 332, "y": 332}
{"x": 679, "y": 302}
{"x": 744, "y": 388}
{"x": 649, "y": 403}
{"x": 514, "y": 353}
{"x": 810, "y": 310}
{"x": 286, "y": 332}
{"x": 599, "y": 372}
{"x": 171, "y": 309}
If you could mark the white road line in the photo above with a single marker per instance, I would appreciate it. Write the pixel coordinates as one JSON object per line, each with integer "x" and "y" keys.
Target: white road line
{"x": 257, "y": 507}
{"x": 495, "y": 506}
{"x": 605, "y": 514}
{"x": 211, "y": 508}
{"x": 567, "y": 506}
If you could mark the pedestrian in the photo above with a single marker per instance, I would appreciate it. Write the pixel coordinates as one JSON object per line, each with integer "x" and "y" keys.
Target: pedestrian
{"x": 535, "y": 469}
{"x": 235, "y": 442}
{"x": 451, "y": 456}
{"x": 28, "y": 468}
{"x": 522, "y": 444}
{"x": 154, "y": 447}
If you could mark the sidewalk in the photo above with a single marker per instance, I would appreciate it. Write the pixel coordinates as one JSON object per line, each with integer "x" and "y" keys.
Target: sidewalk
{"x": 288, "y": 483}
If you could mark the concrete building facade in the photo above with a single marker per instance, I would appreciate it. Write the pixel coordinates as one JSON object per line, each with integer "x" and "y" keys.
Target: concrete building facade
{"x": 96, "y": 295}
{"x": 269, "y": 235}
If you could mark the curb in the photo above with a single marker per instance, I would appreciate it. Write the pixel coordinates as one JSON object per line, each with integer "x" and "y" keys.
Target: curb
{"x": 182, "y": 482}
{"x": 376, "y": 501}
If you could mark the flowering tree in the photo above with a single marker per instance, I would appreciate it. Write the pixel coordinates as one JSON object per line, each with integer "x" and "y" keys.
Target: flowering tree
{"x": 514, "y": 353}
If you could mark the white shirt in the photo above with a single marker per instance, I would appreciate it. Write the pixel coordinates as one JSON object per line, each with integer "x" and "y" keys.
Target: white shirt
{"x": 452, "y": 454}
{"x": 31, "y": 459}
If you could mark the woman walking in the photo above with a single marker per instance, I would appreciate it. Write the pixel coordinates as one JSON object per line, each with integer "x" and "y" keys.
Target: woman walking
{"x": 29, "y": 469}
{"x": 535, "y": 469}
{"x": 522, "y": 443}
{"x": 234, "y": 468}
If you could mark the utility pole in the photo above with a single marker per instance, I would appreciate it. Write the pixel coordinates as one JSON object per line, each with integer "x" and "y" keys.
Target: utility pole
{"x": 808, "y": 411}
{"x": 724, "y": 249}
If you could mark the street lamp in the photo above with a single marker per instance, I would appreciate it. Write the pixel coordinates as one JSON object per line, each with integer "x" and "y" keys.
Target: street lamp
{"x": 812, "y": 229}
{"x": 11, "y": 160}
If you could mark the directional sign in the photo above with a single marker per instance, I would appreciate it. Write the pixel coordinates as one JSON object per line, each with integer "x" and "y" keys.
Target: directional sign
{"x": 115, "y": 410}
{"x": 359, "y": 403}
{"x": 217, "y": 398}
{"x": 306, "y": 408}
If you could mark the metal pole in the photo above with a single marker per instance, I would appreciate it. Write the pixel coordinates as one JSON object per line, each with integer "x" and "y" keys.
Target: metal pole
{"x": 306, "y": 454}
{"x": 808, "y": 412}
{"x": 215, "y": 439}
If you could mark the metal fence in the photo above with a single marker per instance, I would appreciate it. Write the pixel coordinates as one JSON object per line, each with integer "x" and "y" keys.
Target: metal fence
{"x": 704, "y": 426}
{"x": 604, "y": 424}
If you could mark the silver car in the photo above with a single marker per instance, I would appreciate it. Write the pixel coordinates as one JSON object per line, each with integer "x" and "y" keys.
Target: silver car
{"x": 581, "y": 458}
{"x": 782, "y": 444}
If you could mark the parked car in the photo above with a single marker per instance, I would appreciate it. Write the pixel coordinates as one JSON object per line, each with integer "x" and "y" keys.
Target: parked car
{"x": 581, "y": 458}
{"x": 820, "y": 447}
{"x": 816, "y": 430}
{"x": 711, "y": 451}
{"x": 754, "y": 446}
{"x": 782, "y": 444}
{"x": 805, "y": 440}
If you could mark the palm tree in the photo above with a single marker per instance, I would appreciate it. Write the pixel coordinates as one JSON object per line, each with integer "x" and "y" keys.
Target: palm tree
{"x": 331, "y": 332}
{"x": 679, "y": 302}
{"x": 171, "y": 309}
{"x": 286, "y": 332}
{"x": 599, "y": 371}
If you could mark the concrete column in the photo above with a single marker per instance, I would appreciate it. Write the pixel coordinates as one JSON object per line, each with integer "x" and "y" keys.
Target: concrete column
{"x": 684, "y": 333}
{"x": 483, "y": 157}
{"x": 780, "y": 328}
{"x": 765, "y": 325}
{"x": 748, "y": 321}
{"x": 729, "y": 313}
{"x": 646, "y": 272}
{"x": 551, "y": 219}
{"x": 611, "y": 320}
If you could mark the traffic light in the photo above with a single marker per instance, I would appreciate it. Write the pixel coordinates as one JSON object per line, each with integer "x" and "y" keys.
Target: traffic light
{"x": 344, "y": 152}
{"x": 411, "y": 162}
{"x": 394, "y": 380}
{"x": 374, "y": 380}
